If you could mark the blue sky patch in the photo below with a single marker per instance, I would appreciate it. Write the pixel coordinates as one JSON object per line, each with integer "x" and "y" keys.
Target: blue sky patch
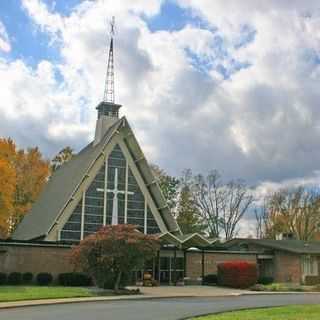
{"x": 174, "y": 18}
{"x": 27, "y": 43}
{"x": 63, "y": 7}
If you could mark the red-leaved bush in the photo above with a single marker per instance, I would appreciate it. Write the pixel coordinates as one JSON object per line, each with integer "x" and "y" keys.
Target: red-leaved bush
{"x": 112, "y": 252}
{"x": 237, "y": 274}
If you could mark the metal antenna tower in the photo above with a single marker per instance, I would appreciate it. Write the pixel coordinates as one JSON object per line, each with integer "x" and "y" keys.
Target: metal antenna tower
{"x": 109, "y": 83}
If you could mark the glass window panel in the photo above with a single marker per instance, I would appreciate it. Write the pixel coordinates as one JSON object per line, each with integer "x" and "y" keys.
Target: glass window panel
{"x": 92, "y": 227}
{"x": 93, "y": 219}
{"x": 69, "y": 235}
{"x": 72, "y": 226}
{"x": 75, "y": 217}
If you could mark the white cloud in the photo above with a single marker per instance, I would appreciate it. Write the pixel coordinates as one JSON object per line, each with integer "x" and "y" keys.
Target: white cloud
{"x": 4, "y": 39}
{"x": 260, "y": 124}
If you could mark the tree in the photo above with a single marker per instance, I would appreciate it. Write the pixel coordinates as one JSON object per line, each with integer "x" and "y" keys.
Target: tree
{"x": 221, "y": 205}
{"x": 114, "y": 251}
{"x": 188, "y": 215}
{"x": 169, "y": 186}
{"x": 64, "y": 155}
{"x": 31, "y": 172}
{"x": 291, "y": 211}
{"x": 32, "y": 175}
{"x": 7, "y": 190}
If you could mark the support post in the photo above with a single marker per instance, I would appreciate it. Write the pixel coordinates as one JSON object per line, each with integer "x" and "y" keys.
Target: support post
{"x": 153, "y": 269}
{"x": 158, "y": 262}
{"x": 202, "y": 265}
{"x": 175, "y": 266}
{"x": 184, "y": 263}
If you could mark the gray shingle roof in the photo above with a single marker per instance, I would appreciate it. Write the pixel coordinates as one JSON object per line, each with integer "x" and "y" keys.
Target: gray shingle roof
{"x": 64, "y": 183}
{"x": 294, "y": 246}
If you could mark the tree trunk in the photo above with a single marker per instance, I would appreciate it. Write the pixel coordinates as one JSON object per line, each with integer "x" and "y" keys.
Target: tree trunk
{"x": 117, "y": 282}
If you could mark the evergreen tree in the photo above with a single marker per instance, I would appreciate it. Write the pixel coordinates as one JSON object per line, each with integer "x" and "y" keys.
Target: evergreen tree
{"x": 169, "y": 186}
{"x": 62, "y": 157}
{"x": 188, "y": 215}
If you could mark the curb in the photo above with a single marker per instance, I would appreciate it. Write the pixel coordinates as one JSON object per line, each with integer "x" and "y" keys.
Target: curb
{"x": 46, "y": 302}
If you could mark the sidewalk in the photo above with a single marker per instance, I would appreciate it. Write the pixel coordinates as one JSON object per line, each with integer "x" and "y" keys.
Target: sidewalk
{"x": 190, "y": 291}
{"x": 148, "y": 294}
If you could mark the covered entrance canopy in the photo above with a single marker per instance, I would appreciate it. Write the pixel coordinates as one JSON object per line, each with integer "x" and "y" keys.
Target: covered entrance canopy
{"x": 169, "y": 267}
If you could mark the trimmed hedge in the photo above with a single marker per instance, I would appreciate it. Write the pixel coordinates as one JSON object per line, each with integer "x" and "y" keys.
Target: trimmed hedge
{"x": 3, "y": 278}
{"x": 265, "y": 280}
{"x": 14, "y": 278}
{"x": 237, "y": 274}
{"x": 312, "y": 280}
{"x": 74, "y": 279}
{"x": 27, "y": 277}
{"x": 44, "y": 278}
{"x": 210, "y": 279}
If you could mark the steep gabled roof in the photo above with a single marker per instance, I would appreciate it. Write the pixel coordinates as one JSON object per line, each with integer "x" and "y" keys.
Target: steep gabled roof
{"x": 65, "y": 181}
{"x": 150, "y": 181}
{"x": 294, "y": 246}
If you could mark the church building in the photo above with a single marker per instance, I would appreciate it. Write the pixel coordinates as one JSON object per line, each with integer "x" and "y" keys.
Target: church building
{"x": 110, "y": 182}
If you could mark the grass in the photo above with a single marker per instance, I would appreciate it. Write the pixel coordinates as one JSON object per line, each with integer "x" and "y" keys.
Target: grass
{"x": 307, "y": 312}
{"x": 17, "y": 293}
{"x": 284, "y": 287}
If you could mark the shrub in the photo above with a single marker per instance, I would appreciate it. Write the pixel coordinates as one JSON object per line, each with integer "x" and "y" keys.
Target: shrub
{"x": 110, "y": 281}
{"x": 44, "y": 278}
{"x": 237, "y": 274}
{"x": 14, "y": 278}
{"x": 27, "y": 277}
{"x": 113, "y": 251}
{"x": 210, "y": 279}
{"x": 265, "y": 280}
{"x": 74, "y": 279}
{"x": 312, "y": 280}
{"x": 3, "y": 278}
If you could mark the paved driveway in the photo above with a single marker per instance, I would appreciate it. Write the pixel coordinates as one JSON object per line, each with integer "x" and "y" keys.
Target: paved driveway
{"x": 157, "y": 309}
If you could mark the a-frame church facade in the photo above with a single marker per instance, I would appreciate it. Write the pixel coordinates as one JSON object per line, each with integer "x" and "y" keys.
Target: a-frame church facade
{"x": 107, "y": 182}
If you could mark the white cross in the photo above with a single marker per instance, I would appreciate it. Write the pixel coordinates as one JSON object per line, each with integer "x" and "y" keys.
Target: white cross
{"x": 115, "y": 197}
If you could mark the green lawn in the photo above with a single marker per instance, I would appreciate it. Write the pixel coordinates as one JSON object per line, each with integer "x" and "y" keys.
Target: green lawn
{"x": 16, "y": 293}
{"x": 308, "y": 312}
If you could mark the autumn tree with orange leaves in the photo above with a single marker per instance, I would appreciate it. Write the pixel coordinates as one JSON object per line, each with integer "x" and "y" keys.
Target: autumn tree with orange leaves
{"x": 112, "y": 252}
{"x": 23, "y": 174}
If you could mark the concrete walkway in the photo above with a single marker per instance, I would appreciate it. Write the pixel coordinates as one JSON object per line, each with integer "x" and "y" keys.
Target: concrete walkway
{"x": 190, "y": 291}
{"x": 146, "y": 293}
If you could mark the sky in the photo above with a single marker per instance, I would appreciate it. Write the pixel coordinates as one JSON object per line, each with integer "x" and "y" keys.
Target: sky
{"x": 226, "y": 84}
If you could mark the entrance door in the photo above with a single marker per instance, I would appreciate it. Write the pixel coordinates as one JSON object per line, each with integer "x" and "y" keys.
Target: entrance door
{"x": 171, "y": 269}
{"x": 165, "y": 266}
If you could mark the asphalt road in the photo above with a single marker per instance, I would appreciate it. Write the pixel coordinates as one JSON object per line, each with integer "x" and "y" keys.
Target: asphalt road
{"x": 158, "y": 309}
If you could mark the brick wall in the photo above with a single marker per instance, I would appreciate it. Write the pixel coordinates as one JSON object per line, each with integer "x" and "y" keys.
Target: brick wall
{"x": 287, "y": 267}
{"x": 211, "y": 260}
{"x": 34, "y": 259}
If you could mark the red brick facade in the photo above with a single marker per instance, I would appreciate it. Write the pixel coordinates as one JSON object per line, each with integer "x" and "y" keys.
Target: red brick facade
{"x": 211, "y": 260}
{"x": 35, "y": 259}
{"x": 287, "y": 267}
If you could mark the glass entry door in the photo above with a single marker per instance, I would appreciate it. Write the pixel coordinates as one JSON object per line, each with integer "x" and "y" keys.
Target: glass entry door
{"x": 171, "y": 269}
